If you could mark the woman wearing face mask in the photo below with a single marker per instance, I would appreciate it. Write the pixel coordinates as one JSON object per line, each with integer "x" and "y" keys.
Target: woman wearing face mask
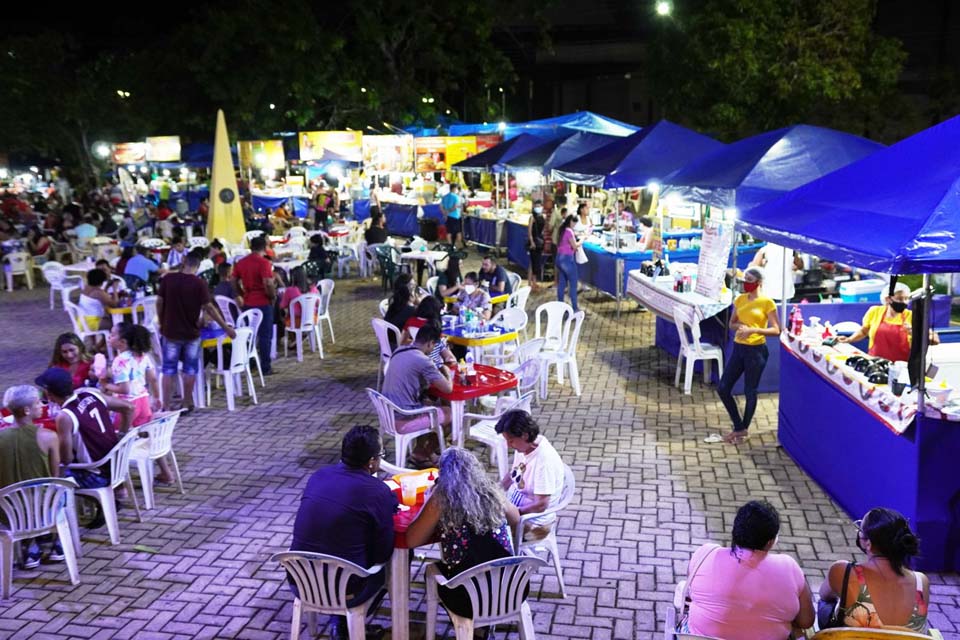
{"x": 754, "y": 318}
{"x": 473, "y": 297}
{"x": 746, "y": 591}
{"x": 888, "y": 326}
{"x": 535, "y": 243}
{"x": 881, "y": 592}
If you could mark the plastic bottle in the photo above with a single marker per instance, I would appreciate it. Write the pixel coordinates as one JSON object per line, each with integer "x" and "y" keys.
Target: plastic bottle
{"x": 462, "y": 371}
{"x": 797, "y": 328}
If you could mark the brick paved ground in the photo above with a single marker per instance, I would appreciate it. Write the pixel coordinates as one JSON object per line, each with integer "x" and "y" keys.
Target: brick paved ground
{"x": 648, "y": 493}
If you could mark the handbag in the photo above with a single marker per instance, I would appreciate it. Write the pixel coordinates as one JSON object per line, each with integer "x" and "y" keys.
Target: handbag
{"x": 581, "y": 256}
{"x": 831, "y": 614}
{"x": 685, "y": 611}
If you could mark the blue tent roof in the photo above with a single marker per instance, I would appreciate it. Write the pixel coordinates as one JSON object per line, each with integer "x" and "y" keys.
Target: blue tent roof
{"x": 549, "y": 127}
{"x": 491, "y": 159}
{"x": 560, "y": 151}
{"x": 756, "y": 169}
{"x": 645, "y": 156}
{"x": 896, "y": 211}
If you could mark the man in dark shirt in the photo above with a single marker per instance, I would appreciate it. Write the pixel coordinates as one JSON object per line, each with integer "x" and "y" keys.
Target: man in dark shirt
{"x": 181, "y": 298}
{"x": 376, "y": 234}
{"x": 348, "y": 513}
{"x": 495, "y": 276}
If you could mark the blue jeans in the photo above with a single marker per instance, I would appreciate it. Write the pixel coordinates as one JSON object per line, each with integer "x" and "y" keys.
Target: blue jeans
{"x": 567, "y": 273}
{"x": 264, "y": 336}
{"x": 747, "y": 361}
{"x": 180, "y": 351}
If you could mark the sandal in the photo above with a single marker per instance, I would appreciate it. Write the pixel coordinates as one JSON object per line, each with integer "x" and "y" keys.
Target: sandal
{"x": 736, "y": 437}
{"x": 713, "y": 438}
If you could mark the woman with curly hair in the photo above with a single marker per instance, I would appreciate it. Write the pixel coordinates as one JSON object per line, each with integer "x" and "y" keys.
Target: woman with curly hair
{"x": 472, "y": 517}
{"x": 71, "y": 354}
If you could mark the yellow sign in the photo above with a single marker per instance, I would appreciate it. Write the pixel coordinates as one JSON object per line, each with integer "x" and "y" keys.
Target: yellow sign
{"x": 440, "y": 153}
{"x": 388, "y": 154}
{"x": 163, "y": 149}
{"x": 460, "y": 148}
{"x": 331, "y": 145}
{"x": 225, "y": 219}
{"x": 261, "y": 154}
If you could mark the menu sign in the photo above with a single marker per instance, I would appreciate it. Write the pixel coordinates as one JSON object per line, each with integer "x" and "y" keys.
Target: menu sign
{"x": 715, "y": 246}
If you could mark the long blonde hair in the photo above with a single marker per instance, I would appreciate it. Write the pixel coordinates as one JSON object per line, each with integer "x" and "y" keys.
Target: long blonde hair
{"x": 466, "y": 494}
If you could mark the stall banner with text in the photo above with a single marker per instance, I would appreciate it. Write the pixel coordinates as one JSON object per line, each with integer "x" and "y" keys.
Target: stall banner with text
{"x": 344, "y": 145}
{"x": 656, "y": 237}
{"x": 388, "y": 153}
{"x": 440, "y": 153}
{"x": 261, "y": 154}
{"x": 129, "y": 153}
{"x": 715, "y": 246}
{"x": 163, "y": 149}
{"x": 488, "y": 141}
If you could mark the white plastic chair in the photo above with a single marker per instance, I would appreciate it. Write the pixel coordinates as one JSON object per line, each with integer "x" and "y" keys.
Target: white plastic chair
{"x": 515, "y": 281}
{"x": 82, "y": 329}
{"x": 56, "y": 276}
{"x": 205, "y": 265}
{"x": 108, "y": 251}
{"x": 250, "y": 235}
{"x": 308, "y": 305}
{"x": 145, "y": 312}
{"x": 548, "y": 543}
{"x": 383, "y": 306}
{"x": 432, "y": 284}
{"x": 238, "y": 367}
{"x": 370, "y": 262}
{"x": 158, "y": 445}
{"x": 326, "y": 287}
{"x": 18, "y": 264}
{"x": 34, "y": 508}
{"x": 152, "y": 243}
{"x": 118, "y": 460}
{"x": 526, "y": 351}
{"x": 383, "y": 329}
{"x": 198, "y": 241}
{"x": 228, "y": 307}
{"x": 321, "y": 583}
{"x": 251, "y": 319}
{"x": 518, "y": 299}
{"x": 553, "y": 328}
{"x": 296, "y": 232}
{"x": 387, "y": 413}
{"x": 691, "y": 350}
{"x": 483, "y": 429}
{"x": 566, "y": 356}
{"x": 496, "y": 591}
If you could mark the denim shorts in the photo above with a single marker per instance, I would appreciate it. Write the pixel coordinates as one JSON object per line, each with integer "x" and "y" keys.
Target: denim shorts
{"x": 181, "y": 351}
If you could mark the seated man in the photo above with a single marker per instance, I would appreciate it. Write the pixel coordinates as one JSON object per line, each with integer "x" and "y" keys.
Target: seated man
{"x": 473, "y": 297}
{"x": 376, "y": 234}
{"x": 409, "y": 374}
{"x": 535, "y": 481}
{"x": 85, "y": 231}
{"x": 495, "y": 277}
{"x": 140, "y": 266}
{"x": 348, "y": 513}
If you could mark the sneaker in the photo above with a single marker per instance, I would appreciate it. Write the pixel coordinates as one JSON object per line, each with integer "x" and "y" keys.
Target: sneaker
{"x": 31, "y": 559}
{"x": 56, "y": 552}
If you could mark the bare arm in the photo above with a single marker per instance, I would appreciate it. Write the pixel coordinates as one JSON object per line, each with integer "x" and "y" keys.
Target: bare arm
{"x": 804, "y": 619}
{"x": 861, "y": 333}
{"x": 421, "y": 530}
{"x": 538, "y": 504}
{"x": 124, "y": 408}
{"x": 65, "y": 436}
{"x": 512, "y": 514}
{"x": 50, "y": 445}
{"x": 445, "y": 385}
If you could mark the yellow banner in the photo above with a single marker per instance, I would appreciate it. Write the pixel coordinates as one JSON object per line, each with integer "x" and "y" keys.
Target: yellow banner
{"x": 331, "y": 145}
{"x": 129, "y": 153}
{"x": 261, "y": 154}
{"x": 439, "y": 153}
{"x": 163, "y": 149}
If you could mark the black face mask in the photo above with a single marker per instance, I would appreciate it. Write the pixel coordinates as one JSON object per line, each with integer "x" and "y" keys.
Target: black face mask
{"x": 899, "y": 307}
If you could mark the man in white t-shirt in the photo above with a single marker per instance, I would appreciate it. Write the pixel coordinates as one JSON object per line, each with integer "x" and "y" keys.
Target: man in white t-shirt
{"x": 535, "y": 481}
{"x": 771, "y": 257}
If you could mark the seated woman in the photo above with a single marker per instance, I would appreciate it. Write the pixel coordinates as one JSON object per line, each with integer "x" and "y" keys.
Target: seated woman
{"x": 882, "y": 592}
{"x": 473, "y": 297}
{"x": 428, "y": 312}
{"x": 71, "y": 354}
{"x": 94, "y": 299}
{"x": 747, "y": 592}
{"x": 448, "y": 280}
{"x": 298, "y": 286}
{"x": 403, "y": 302}
{"x": 473, "y": 519}
{"x": 37, "y": 244}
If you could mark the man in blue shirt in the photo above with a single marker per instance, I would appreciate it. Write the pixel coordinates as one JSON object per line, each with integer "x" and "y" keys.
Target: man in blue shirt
{"x": 348, "y": 513}
{"x": 86, "y": 231}
{"x": 495, "y": 277}
{"x": 450, "y": 206}
{"x": 140, "y": 266}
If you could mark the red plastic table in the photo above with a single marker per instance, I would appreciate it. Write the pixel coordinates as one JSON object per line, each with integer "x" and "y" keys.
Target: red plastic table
{"x": 400, "y": 575}
{"x": 489, "y": 380}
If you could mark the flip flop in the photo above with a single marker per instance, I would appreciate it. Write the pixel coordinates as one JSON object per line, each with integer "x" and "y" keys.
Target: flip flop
{"x": 713, "y": 438}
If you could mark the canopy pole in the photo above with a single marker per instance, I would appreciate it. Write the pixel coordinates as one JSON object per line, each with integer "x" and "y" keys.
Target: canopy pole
{"x": 924, "y": 344}
{"x": 618, "y": 262}
{"x": 787, "y": 272}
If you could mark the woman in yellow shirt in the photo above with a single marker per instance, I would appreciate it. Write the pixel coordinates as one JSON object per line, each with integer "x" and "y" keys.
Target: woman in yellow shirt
{"x": 889, "y": 327}
{"x": 754, "y": 318}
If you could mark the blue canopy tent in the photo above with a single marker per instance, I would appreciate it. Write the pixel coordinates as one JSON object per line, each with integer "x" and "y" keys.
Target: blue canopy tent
{"x": 753, "y": 170}
{"x": 549, "y": 127}
{"x": 560, "y": 151}
{"x": 895, "y": 211}
{"x": 492, "y": 159}
{"x": 646, "y": 156}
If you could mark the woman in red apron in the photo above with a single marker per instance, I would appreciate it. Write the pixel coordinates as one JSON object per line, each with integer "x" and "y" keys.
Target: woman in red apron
{"x": 889, "y": 327}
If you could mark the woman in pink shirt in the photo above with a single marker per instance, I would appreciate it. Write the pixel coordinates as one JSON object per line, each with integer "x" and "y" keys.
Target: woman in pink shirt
{"x": 747, "y": 592}
{"x": 566, "y": 261}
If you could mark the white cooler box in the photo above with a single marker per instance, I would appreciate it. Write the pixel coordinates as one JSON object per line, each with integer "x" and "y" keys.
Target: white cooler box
{"x": 863, "y": 290}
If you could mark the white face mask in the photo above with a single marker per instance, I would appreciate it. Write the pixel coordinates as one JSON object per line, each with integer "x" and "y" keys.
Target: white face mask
{"x": 469, "y": 288}
{"x": 538, "y": 209}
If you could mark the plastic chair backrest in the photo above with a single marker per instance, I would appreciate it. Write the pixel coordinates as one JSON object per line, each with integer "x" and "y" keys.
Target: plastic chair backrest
{"x": 506, "y": 403}
{"x": 250, "y": 319}
{"x": 53, "y": 273}
{"x": 296, "y": 232}
{"x": 160, "y": 433}
{"x": 321, "y": 580}
{"x": 250, "y": 235}
{"x": 518, "y": 299}
{"x": 528, "y": 375}
{"x": 206, "y": 265}
{"x": 151, "y": 243}
{"x": 383, "y": 329}
{"x": 199, "y": 241}
{"x": 228, "y": 307}
{"x": 515, "y": 280}
{"x": 573, "y": 337}
{"x": 385, "y": 412}
{"x": 496, "y": 588}
{"x": 383, "y": 306}
{"x": 31, "y": 507}
{"x": 77, "y": 317}
{"x": 108, "y": 251}
{"x": 554, "y": 328}
{"x": 240, "y": 349}
{"x": 238, "y": 255}
{"x": 306, "y": 307}
{"x": 515, "y": 319}
{"x": 432, "y": 284}
{"x": 145, "y": 311}
{"x": 326, "y": 287}
{"x": 688, "y": 343}
{"x": 529, "y": 350}
{"x": 119, "y": 458}
{"x": 19, "y": 262}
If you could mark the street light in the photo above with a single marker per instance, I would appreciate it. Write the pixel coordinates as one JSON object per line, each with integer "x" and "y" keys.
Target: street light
{"x": 363, "y": 89}
{"x": 664, "y": 8}
{"x": 272, "y": 106}
{"x": 102, "y": 149}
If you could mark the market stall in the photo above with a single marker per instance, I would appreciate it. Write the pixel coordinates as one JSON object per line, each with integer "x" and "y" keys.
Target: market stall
{"x": 867, "y": 442}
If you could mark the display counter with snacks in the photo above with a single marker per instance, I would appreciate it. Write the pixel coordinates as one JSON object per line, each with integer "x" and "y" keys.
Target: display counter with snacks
{"x": 866, "y": 446}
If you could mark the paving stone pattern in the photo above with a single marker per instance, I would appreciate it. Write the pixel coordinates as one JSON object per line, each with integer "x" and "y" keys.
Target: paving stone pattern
{"x": 649, "y": 492}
